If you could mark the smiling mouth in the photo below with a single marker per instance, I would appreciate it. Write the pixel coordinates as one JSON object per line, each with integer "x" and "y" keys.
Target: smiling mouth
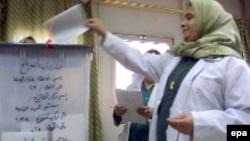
{"x": 184, "y": 30}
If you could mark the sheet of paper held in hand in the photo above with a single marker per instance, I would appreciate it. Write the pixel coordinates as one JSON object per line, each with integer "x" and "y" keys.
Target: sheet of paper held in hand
{"x": 131, "y": 100}
{"x": 67, "y": 25}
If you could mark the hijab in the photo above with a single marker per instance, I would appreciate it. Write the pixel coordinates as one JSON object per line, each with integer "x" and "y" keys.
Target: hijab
{"x": 218, "y": 33}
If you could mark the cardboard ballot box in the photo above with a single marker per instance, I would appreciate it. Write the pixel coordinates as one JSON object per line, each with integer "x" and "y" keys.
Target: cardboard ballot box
{"x": 44, "y": 92}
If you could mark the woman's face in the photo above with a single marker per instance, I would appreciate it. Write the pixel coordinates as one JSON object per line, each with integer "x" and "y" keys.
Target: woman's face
{"x": 189, "y": 26}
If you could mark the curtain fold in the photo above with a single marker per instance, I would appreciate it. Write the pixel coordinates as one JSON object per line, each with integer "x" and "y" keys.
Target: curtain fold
{"x": 244, "y": 29}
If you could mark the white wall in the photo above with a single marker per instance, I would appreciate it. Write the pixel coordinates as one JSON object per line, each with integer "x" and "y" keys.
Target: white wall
{"x": 140, "y": 21}
{"x": 137, "y": 22}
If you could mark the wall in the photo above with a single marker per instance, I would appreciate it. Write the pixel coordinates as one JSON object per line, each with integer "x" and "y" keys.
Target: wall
{"x": 137, "y": 22}
{"x": 232, "y": 6}
{"x": 247, "y": 9}
{"x": 141, "y": 21}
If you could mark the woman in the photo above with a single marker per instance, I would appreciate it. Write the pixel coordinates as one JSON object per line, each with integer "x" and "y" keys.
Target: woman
{"x": 203, "y": 84}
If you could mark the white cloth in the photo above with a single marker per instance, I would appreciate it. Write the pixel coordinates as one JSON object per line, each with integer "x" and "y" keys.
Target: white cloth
{"x": 124, "y": 136}
{"x": 215, "y": 91}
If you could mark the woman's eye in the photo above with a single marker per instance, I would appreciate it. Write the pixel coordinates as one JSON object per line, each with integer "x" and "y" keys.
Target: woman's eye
{"x": 189, "y": 16}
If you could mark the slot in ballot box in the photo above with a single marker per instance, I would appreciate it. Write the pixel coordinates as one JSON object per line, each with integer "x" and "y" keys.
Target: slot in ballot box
{"x": 44, "y": 93}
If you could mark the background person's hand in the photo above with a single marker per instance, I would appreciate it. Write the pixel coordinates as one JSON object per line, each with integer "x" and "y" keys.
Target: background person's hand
{"x": 96, "y": 25}
{"x": 145, "y": 111}
{"x": 120, "y": 110}
{"x": 182, "y": 123}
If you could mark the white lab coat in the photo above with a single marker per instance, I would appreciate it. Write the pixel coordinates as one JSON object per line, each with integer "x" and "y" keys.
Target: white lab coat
{"x": 124, "y": 136}
{"x": 215, "y": 91}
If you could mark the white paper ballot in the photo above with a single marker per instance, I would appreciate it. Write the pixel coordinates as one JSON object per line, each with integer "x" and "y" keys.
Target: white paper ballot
{"x": 68, "y": 24}
{"x": 24, "y": 136}
{"x": 130, "y": 99}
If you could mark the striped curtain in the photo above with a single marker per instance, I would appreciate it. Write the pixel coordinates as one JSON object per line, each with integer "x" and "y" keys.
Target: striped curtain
{"x": 244, "y": 28}
{"x": 23, "y": 18}
{"x": 3, "y": 19}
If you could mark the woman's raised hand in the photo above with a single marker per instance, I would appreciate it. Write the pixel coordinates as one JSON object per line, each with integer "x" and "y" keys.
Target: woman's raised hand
{"x": 96, "y": 25}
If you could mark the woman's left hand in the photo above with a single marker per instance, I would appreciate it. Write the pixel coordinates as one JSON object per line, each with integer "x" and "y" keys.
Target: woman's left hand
{"x": 182, "y": 123}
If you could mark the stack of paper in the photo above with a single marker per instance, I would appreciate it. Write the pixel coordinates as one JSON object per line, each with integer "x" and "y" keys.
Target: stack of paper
{"x": 131, "y": 100}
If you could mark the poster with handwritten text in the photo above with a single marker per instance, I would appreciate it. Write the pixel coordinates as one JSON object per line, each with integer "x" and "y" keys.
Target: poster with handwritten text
{"x": 44, "y": 94}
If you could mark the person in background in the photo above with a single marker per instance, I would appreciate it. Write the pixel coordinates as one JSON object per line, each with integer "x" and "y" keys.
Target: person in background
{"x": 28, "y": 39}
{"x": 203, "y": 82}
{"x": 136, "y": 131}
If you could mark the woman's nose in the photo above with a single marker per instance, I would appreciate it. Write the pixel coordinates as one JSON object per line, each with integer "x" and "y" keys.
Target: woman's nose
{"x": 182, "y": 25}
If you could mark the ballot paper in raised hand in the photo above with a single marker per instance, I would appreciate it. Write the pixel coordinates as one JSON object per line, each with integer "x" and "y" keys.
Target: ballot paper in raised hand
{"x": 67, "y": 25}
{"x": 130, "y": 99}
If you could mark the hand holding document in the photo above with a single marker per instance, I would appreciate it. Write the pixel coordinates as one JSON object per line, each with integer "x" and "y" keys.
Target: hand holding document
{"x": 131, "y": 100}
{"x": 68, "y": 24}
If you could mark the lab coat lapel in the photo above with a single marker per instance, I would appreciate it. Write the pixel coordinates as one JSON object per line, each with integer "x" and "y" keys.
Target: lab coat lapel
{"x": 184, "y": 91}
{"x": 197, "y": 68}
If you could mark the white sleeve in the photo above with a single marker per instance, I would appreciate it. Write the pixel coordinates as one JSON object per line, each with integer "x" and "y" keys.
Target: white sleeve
{"x": 152, "y": 98}
{"x": 211, "y": 125}
{"x": 149, "y": 65}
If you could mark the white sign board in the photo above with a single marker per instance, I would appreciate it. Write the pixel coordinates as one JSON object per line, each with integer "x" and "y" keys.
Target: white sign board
{"x": 44, "y": 91}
